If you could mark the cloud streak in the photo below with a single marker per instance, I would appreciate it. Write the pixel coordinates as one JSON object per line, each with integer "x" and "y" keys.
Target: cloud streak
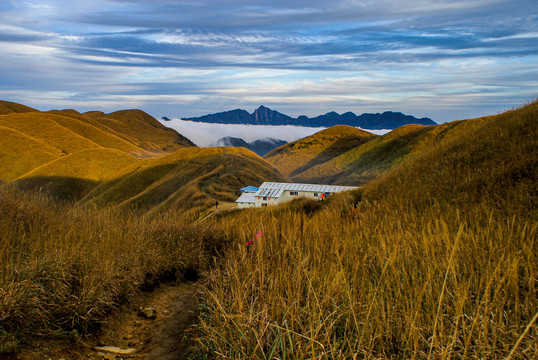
{"x": 188, "y": 58}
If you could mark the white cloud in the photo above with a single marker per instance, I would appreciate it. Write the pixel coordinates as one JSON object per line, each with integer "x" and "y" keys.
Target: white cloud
{"x": 205, "y": 134}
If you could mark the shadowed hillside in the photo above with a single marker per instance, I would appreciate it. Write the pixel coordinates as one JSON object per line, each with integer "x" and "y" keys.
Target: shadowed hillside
{"x": 189, "y": 179}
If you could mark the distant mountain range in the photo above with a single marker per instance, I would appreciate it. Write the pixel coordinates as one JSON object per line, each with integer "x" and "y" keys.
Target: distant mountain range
{"x": 266, "y": 116}
{"x": 260, "y": 146}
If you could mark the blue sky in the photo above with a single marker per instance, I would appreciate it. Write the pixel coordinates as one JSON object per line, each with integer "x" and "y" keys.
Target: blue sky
{"x": 446, "y": 60}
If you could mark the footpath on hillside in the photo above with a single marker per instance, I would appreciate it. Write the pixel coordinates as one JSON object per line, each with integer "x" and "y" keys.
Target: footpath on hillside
{"x": 153, "y": 325}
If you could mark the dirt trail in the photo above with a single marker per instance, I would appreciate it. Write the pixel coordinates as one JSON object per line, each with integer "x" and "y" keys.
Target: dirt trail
{"x": 164, "y": 337}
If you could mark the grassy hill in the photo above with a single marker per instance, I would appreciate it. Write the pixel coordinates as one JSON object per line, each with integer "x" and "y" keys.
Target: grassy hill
{"x": 21, "y": 153}
{"x": 488, "y": 161}
{"x": 69, "y": 153}
{"x": 356, "y": 160}
{"x": 7, "y": 107}
{"x": 72, "y": 176}
{"x": 189, "y": 179}
{"x": 299, "y": 156}
{"x": 436, "y": 259}
{"x": 364, "y": 163}
{"x": 141, "y": 130}
{"x": 124, "y": 158}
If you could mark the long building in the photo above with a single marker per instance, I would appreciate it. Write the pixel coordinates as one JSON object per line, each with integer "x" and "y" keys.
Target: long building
{"x": 273, "y": 193}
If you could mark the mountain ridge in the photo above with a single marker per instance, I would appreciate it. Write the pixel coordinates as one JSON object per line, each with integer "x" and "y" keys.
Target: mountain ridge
{"x": 266, "y": 116}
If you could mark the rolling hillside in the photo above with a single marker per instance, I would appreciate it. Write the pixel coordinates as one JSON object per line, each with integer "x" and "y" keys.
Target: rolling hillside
{"x": 490, "y": 161}
{"x": 7, "y": 107}
{"x": 126, "y": 158}
{"x": 358, "y": 162}
{"x": 189, "y": 179}
{"x": 32, "y": 139}
{"x": 141, "y": 130}
{"x": 72, "y": 176}
{"x": 301, "y": 155}
{"x": 436, "y": 259}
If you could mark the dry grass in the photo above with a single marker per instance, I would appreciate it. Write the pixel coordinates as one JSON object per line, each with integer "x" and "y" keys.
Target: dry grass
{"x": 191, "y": 179}
{"x": 31, "y": 138}
{"x": 7, "y": 107}
{"x": 362, "y": 164}
{"x": 144, "y": 131}
{"x": 43, "y": 128}
{"x": 20, "y": 153}
{"x": 439, "y": 261}
{"x": 90, "y": 164}
{"x": 299, "y": 156}
{"x": 63, "y": 268}
{"x": 392, "y": 282}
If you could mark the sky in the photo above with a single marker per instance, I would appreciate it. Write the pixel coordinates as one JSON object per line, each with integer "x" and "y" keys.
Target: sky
{"x": 446, "y": 60}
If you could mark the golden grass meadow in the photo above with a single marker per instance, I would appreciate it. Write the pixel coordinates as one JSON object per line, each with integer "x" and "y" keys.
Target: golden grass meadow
{"x": 436, "y": 258}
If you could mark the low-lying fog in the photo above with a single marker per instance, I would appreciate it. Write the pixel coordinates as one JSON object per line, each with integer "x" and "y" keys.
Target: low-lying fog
{"x": 206, "y": 134}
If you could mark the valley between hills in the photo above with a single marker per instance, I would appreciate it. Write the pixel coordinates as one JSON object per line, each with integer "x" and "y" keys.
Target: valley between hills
{"x": 434, "y": 256}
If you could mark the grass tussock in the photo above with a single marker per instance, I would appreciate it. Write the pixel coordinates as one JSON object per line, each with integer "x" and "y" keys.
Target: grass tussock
{"x": 62, "y": 268}
{"x": 436, "y": 260}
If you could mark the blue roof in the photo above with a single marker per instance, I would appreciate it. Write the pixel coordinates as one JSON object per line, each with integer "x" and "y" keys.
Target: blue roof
{"x": 249, "y": 189}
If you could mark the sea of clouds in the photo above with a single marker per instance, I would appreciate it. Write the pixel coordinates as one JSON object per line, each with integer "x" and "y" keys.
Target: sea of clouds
{"x": 206, "y": 134}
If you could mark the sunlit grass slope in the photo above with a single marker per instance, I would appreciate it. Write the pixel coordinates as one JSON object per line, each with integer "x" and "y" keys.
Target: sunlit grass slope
{"x": 142, "y": 130}
{"x": 299, "y": 156}
{"x": 68, "y": 153}
{"x": 7, "y": 107}
{"x": 44, "y": 128}
{"x": 366, "y": 162}
{"x": 104, "y": 138}
{"x": 437, "y": 259}
{"x": 20, "y": 153}
{"x": 72, "y": 176}
{"x": 489, "y": 161}
{"x": 189, "y": 179}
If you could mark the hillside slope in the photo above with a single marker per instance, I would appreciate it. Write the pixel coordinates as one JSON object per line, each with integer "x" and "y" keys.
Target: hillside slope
{"x": 366, "y": 162}
{"x": 301, "y": 155}
{"x": 491, "y": 160}
{"x": 31, "y": 138}
{"x": 7, "y": 107}
{"x": 142, "y": 130}
{"x": 189, "y": 179}
{"x": 21, "y": 153}
{"x": 72, "y": 176}
{"x": 435, "y": 259}
{"x": 126, "y": 158}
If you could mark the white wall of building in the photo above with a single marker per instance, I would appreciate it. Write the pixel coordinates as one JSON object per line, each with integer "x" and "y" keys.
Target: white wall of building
{"x": 245, "y": 205}
{"x": 286, "y": 195}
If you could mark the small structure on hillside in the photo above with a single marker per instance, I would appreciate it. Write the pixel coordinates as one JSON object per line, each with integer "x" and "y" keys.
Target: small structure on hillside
{"x": 247, "y": 198}
{"x": 250, "y": 189}
{"x": 273, "y": 193}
